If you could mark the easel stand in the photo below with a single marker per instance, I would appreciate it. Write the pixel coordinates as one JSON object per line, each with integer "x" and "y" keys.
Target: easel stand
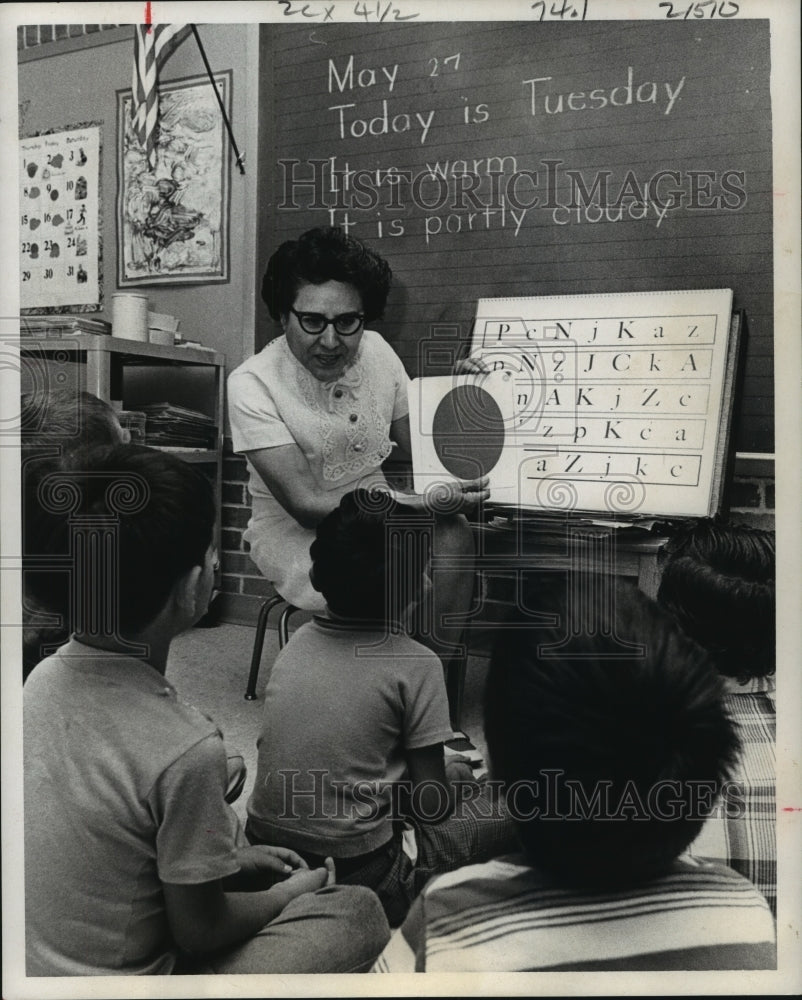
{"x": 512, "y": 552}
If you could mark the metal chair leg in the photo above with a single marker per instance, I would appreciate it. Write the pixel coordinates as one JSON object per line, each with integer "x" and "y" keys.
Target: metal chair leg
{"x": 258, "y": 645}
{"x": 455, "y": 689}
{"x": 284, "y": 625}
{"x": 237, "y": 775}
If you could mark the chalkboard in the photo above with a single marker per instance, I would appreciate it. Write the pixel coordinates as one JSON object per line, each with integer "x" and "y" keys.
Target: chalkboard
{"x": 506, "y": 159}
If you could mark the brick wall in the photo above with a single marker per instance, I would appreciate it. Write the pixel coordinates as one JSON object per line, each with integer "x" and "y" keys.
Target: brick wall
{"x": 243, "y": 587}
{"x": 751, "y": 500}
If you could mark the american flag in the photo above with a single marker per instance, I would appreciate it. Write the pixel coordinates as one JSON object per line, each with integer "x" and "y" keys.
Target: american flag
{"x": 153, "y": 45}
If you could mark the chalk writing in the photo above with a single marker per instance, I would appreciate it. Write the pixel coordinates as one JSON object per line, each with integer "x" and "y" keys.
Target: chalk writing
{"x": 434, "y": 62}
{"x": 462, "y": 196}
{"x": 474, "y": 115}
{"x": 367, "y": 76}
{"x": 598, "y": 98}
{"x": 443, "y": 199}
{"x": 350, "y": 125}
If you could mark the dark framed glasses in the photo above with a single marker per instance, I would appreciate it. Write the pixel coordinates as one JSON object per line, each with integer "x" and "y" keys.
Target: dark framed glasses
{"x": 346, "y": 324}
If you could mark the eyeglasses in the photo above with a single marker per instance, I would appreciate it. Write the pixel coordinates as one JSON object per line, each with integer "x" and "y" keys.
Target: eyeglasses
{"x": 347, "y": 324}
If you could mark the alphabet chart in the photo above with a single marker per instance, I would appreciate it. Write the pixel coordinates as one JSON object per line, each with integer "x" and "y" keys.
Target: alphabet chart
{"x": 59, "y": 201}
{"x": 622, "y": 402}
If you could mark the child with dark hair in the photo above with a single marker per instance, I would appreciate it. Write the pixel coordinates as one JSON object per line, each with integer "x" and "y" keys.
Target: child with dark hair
{"x": 718, "y": 583}
{"x": 610, "y": 740}
{"x": 356, "y": 717}
{"x": 133, "y": 860}
{"x": 53, "y": 425}
{"x": 66, "y": 419}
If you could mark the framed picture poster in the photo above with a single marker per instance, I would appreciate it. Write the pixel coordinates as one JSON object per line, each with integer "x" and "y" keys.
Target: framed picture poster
{"x": 172, "y": 221}
{"x": 59, "y": 203}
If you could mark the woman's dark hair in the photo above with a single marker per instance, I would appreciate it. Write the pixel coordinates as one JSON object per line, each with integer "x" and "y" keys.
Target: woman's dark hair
{"x": 609, "y": 733}
{"x": 326, "y": 254}
{"x": 719, "y": 584}
{"x": 158, "y": 510}
{"x": 369, "y": 555}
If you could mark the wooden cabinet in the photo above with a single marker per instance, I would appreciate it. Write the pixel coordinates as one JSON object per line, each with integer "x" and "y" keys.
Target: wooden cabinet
{"x": 136, "y": 374}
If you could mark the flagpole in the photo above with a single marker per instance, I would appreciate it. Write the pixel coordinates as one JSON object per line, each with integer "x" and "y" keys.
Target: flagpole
{"x": 240, "y": 158}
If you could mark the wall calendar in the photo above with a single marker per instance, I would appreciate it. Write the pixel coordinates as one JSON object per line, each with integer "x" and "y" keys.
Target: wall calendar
{"x": 59, "y": 199}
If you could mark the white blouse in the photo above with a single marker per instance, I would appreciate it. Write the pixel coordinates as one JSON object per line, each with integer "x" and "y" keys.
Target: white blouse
{"x": 342, "y": 427}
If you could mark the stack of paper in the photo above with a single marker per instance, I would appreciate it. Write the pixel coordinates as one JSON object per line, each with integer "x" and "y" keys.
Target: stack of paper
{"x": 176, "y": 426}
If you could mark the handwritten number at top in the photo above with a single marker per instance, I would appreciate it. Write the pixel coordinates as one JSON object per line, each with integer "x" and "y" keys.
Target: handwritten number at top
{"x": 382, "y": 10}
{"x": 560, "y": 11}
{"x": 701, "y": 8}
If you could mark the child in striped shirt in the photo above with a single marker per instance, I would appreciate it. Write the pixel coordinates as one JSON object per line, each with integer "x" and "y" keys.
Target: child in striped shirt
{"x": 609, "y": 733}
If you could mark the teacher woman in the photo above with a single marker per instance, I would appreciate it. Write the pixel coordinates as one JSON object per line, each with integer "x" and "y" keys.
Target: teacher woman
{"x": 316, "y": 413}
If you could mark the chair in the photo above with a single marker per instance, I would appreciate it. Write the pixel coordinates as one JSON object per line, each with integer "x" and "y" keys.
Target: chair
{"x": 259, "y": 638}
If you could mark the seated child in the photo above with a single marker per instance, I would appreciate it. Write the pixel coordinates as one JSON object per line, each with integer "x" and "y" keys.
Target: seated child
{"x": 53, "y": 425}
{"x": 718, "y": 583}
{"x": 133, "y": 864}
{"x": 353, "y": 708}
{"x": 610, "y": 746}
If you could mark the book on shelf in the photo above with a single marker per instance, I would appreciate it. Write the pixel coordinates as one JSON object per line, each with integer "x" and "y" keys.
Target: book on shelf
{"x": 167, "y": 425}
{"x": 61, "y": 326}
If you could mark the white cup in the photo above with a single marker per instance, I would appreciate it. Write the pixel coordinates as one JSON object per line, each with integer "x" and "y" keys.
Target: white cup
{"x": 129, "y": 315}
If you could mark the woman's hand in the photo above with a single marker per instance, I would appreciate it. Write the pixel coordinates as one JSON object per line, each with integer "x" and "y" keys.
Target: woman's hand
{"x": 470, "y": 366}
{"x": 455, "y": 496}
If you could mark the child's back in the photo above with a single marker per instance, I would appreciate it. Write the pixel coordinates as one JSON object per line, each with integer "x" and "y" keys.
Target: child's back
{"x": 124, "y": 788}
{"x": 356, "y": 716}
{"x": 610, "y": 736}
{"x": 506, "y": 916}
{"x": 343, "y": 704}
{"x": 719, "y": 585}
{"x": 133, "y": 860}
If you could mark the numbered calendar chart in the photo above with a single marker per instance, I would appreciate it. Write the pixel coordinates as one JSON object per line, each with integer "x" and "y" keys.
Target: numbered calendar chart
{"x": 59, "y": 219}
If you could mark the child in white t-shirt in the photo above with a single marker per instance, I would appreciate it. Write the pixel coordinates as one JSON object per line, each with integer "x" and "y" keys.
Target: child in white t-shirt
{"x": 351, "y": 754}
